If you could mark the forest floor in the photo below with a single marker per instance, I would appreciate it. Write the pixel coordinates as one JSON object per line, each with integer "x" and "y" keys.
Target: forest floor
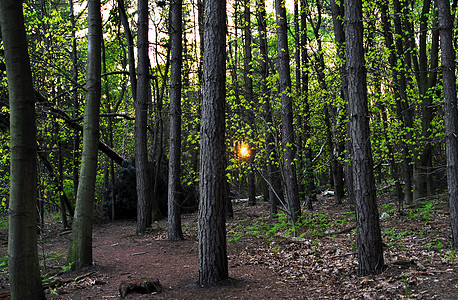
{"x": 265, "y": 260}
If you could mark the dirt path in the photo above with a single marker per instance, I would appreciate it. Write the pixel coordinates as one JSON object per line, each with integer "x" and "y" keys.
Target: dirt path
{"x": 319, "y": 265}
{"x": 120, "y": 256}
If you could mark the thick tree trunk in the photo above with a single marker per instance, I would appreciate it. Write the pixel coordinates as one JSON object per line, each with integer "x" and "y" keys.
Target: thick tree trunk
{"x": 144, "y": 200}
{"x": 450, "y": 110}
{"x": 23, "y": 267}
{"x": 370, "y": 252}
{"x": 273, "y": 171}
{"x": 176, "y": 43}
{"x": 81, "y": 247}
{"x": 289, "y": 155}
{"x": 213, "y": 265}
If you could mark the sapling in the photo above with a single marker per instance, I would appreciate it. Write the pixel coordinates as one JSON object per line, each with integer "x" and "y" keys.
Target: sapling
{"x": 439, "y": 247}
{"x": 452, "y": 259}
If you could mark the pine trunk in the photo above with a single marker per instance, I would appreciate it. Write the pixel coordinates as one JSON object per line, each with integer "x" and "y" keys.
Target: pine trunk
{"x": 450, "y": 110}
{"x": 174, "y": 219}
{"x": 289, "y": 155}
{"x": 144, "y": 193}
{"x": 213, "y": 264}
{"x": 370, "y": 252}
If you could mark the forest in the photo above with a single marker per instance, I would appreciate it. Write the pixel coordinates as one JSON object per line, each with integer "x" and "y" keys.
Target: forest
{"x": 228, "y": 149}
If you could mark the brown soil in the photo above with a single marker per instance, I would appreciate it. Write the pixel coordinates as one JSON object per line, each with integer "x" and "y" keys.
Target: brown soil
{"x": 321, "y": 264}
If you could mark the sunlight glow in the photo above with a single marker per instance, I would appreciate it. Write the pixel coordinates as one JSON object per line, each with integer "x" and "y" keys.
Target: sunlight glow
{"x": 244, "y": 152}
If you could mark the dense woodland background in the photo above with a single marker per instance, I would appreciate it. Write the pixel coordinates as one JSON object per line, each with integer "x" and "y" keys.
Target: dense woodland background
{"x": 305, "y": 85}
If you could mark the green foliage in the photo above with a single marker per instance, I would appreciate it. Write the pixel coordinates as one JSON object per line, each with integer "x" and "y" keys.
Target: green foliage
{"x": 3, "y": 222}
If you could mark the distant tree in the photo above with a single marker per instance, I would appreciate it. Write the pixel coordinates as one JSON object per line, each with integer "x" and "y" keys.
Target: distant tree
{"x": 24, "y": 271}
{"x": 213, "y": 265}
{"x": 144, "y": 202}
{"x": 337, "y": 10}
{"x": 450, "y": 110}
{"x": 307, "y": 152}
{"x": 248, "y": 77}
{"x": 289, "y": 154}
{"x": 273, "y": 171}
{"x": 176, "y": 44}
{"x": 370, "y": 252}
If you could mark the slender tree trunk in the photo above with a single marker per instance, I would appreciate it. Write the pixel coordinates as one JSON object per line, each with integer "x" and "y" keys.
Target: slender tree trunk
{"x": 450, "y": 110}
{"x": 300, "y": 95}
{"x": 305, "y": 91}
{"x": 389, "y": 43}
{"x": 249, "y": 98}
{"x": 370, "y": 252}
{"x": 422, "y": 168}
{"x": 213, "y": 264}
{"x": 23, "y": 267}
{"x": 403, "y": 106}
{"x": 130, "y": 49}
{"x": 81, "y": 247}
{"x": 273, "y": 171}
{"x": 289, "y": 154}
{"x": 176, "y": 43}
{"x": 330, "y": 115}
{"x": 144, "y": 195}
{"x": 76, "y": 138}
{"x": 339, "y": 34}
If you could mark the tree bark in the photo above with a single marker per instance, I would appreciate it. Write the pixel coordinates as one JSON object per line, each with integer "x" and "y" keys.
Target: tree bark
{"x": 389, "y": 43}
{"x": 403, "y": 106}
{"x": 305, "y": 91}
{"x": 144, "y": 200}
{"x": 176, "y": 43}
{"x": 23, "y": 267}
{"x": 273, "y": 171}
{"x": 213, "y": 264}
{"x": 81, "y": 247}
{"x": 337, "y": 10}
{"x": 249, "y": 98}
{"x": 289, "y": 155}
{"x": 76, "y": 137}
{"x": 450, "y": 110}
{"x": 370, "y": 252}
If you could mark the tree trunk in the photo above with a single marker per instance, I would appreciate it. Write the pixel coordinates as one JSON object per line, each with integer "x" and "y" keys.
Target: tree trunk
{"x": 273, "y": 172}
{"x": 450, "y": 110}
{"x": 176, "y": 43}
{"x": 213, "y": 264}
{"x": 289, "y": 155}
{"x": 76, "y": 137}
{"x": 144, "y": 200}
{"x": 330, "y": 117}
{"x": 370, "y": 252}
{"x": 422, "y": 168}
{"x": 403, "y": 106}
{"x": 339, "y": 35}
{"x": 249, "y": 99}
{"x": 81, "y": 247}
{"x": 305, "y": 91}
{"x": 389, "y": 43}
{"x": 23, "y": 267}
